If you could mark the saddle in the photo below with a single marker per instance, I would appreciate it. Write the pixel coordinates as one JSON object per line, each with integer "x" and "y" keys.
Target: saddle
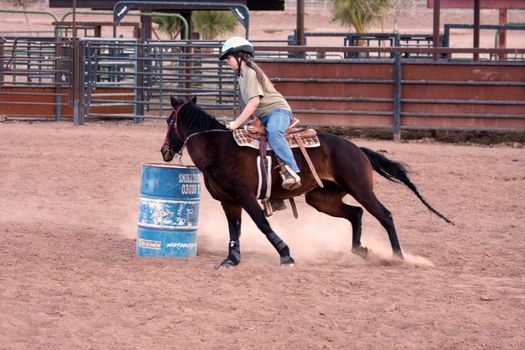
{"x": 254, "y": 135}
{"x": 255, "y": 127}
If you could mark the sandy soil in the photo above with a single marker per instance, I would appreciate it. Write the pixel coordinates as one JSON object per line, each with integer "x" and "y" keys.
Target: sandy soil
{"x": 70, "y": 279}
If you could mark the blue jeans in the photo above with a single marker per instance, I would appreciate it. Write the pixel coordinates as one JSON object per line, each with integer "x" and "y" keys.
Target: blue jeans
{"x": 276, "y": 122}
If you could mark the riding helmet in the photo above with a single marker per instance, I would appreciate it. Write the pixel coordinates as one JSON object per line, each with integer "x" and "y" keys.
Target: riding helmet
{"x": 234, "y": 45}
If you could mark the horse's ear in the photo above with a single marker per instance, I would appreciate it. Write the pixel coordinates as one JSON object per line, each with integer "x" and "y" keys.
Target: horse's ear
{"x": 175, "y": 102}
{"x": 194, "y": 99}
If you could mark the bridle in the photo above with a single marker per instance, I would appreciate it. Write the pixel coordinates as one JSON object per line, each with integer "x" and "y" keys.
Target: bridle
{"x": 174, "y": 125}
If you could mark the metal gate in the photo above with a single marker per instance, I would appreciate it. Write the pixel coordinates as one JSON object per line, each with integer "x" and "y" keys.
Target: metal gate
{"x": 124, "y": 78}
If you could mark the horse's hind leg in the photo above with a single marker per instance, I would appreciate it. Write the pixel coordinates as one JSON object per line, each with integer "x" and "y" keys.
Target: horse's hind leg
{"x": 233, "y": 215}
{"x": 370, "y": 202}
{"x": 328, "y": 200}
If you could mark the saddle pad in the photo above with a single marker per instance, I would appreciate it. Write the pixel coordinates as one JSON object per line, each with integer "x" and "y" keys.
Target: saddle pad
{"x": 243, "y": 139}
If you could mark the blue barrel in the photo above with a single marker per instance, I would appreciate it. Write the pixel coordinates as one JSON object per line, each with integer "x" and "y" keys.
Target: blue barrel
{"x": 168, "y": 211}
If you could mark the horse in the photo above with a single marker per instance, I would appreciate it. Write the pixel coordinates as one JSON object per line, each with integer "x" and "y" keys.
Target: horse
{"x": 230, "y": 176}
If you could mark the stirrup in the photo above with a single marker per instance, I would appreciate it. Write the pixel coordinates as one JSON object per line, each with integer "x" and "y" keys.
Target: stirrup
{"x": 291, "y": 180}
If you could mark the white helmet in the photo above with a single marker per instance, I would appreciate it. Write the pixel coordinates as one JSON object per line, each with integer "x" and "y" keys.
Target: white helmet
{"x": 234, "y": 45}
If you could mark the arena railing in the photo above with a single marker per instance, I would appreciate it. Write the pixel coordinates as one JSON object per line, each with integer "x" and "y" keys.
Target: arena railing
{"x": 125, "y": 78}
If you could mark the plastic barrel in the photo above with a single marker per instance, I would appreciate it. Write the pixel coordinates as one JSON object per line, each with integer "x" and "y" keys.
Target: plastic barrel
{"x": 168, "y": 211}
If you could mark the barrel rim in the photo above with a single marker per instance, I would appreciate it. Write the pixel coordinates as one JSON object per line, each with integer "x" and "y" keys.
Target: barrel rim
{"x": 164, "y": 165}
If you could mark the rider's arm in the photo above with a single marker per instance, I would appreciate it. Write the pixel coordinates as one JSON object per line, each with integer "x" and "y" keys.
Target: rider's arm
{"x": 248, "y": 110}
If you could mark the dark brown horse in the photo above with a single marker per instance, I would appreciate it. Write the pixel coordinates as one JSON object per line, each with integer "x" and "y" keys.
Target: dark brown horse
{"x": 230, "y": 175}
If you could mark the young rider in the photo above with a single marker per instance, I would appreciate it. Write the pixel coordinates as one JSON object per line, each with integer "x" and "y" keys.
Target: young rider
{"x": 260, "y": 99}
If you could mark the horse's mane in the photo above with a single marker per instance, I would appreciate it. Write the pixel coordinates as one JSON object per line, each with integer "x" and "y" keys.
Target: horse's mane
{"x": 201, "y": 120}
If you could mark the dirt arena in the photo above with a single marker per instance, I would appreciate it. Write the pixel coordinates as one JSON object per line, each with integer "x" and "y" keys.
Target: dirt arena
{"x": 70, "y": 279}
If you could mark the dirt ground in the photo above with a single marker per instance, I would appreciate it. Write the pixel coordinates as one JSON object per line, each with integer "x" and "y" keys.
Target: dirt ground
{"x": 70, "y": 278}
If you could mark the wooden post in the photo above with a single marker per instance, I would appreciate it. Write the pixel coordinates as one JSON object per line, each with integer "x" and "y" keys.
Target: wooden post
{"x": 145, "y": 22}
{"x": 397, "y": 97}
{"x": 300, "y": 23}
{"x": 477, "y": 11}
{"x": 435, "y": 40}
{"x": 502, "y": 35}
{"x": 74, "y": 19}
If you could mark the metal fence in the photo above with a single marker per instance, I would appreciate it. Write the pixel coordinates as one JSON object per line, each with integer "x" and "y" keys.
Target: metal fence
{"x": 392, "y": 87}
{"x": 517, "y": 27}
{"x": 34, "y": 76}
{"x": 349, "y": 39}
{"x": 142, "y": 76}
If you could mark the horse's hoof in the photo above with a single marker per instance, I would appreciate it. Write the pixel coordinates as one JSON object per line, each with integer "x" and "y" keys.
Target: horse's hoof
{"x": 361, "y": 251}
{"x": 226, "y": 264}
{"x": 398, "y": 256}
{"x": 287, "y": 261}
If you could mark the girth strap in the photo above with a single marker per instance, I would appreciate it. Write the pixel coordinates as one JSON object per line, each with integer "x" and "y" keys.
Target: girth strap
{"x": 263, "y": 142}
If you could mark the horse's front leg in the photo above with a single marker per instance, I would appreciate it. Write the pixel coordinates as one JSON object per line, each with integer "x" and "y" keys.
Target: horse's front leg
{"x": 233, "y": 214}
{"x": 256, "y": 213}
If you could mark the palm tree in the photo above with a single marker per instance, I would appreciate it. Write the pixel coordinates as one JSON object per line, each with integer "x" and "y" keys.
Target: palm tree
{"x": 359, "y": 14}
{"x": 169, "y": 25}
{"x": 211, "y": 24}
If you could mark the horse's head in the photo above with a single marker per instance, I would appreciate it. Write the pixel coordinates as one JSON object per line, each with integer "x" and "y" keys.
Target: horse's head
{"x": 174, "y": 140}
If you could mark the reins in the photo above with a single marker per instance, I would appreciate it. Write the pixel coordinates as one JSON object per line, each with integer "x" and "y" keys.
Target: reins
{"x": 174, "y": 125}
{"x": 179, "y": 153}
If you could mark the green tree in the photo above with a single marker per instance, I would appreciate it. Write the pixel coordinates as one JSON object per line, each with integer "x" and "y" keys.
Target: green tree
{"x": 211, "y": 24}
{"x": 359, "y": 14}
{"x": 169, "y": 25}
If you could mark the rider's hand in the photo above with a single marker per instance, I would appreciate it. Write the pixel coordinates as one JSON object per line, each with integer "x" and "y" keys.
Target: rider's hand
{"x": 232, "y": 125}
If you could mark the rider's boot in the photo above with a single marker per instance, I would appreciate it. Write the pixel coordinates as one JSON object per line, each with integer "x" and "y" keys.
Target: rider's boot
{"x": 291, "y": 180}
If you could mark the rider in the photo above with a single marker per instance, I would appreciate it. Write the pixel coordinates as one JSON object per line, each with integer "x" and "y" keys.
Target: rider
{"x": 260, "y": 98}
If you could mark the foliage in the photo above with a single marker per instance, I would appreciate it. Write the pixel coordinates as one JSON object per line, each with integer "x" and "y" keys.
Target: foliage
{"x": 395, "y": 9}
{"x": 211, "y": 24}
{"x": 359, "y": 14}
{"x": 170, "y": 25}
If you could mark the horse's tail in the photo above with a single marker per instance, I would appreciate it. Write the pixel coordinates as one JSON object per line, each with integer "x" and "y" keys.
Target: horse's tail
{"x": 397, "y": 172}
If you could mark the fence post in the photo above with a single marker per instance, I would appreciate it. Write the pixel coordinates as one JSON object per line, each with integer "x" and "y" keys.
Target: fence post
{"x": 140, "y": 78}
{"x": 78, "y": 115}
{"x": 58, "y": 79}
{"x": 397, "y": 96}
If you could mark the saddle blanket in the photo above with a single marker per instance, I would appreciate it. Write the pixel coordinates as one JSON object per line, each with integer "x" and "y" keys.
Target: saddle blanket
{"x": 244, "y": 139}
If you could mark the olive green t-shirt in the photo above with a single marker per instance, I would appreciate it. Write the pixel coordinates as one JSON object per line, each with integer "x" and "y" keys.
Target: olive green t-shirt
{"x": 250, "y": 87}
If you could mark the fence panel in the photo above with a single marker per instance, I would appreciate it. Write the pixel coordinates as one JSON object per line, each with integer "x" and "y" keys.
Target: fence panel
{"x": 34, "y": 77}
{"x": 125, "y": 78}
{"x": 434, "y": 95}
{"x": 139, "y": 78}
